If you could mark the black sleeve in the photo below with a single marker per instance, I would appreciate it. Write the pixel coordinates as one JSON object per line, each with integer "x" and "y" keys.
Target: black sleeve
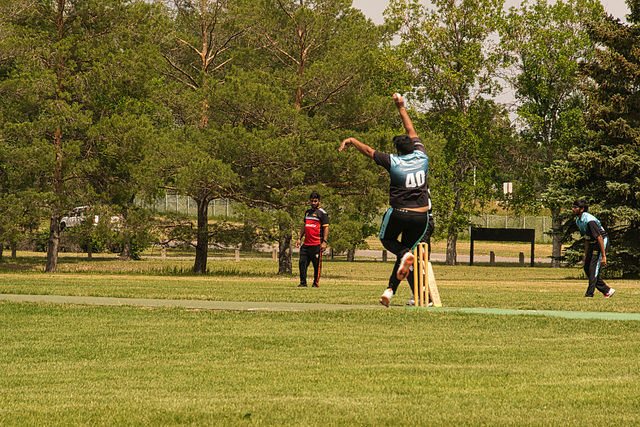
{"x": 324, "y": 219}
{"x": 418, "y": 145}
{"x": 383, "y": 159}
{"x": 594, "y": 230}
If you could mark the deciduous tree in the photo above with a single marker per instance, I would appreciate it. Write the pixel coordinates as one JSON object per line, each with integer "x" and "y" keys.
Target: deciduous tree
{"x": 453, "y": 53}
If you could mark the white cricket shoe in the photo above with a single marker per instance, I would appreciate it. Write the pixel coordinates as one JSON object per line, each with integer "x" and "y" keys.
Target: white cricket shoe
{"x": 610, "y": 293}
{"x": 386, "y": 297}
{"x": 412, "y": 302}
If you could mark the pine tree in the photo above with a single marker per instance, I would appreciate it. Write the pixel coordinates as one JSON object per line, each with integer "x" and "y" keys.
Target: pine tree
{"x": 604, "y": 167}
{"x": 304, "y": 84}
{"x": 70, "y": 70}
{"x": 545, "y": 43}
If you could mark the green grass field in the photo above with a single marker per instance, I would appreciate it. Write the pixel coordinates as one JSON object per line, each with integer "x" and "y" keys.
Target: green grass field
{"x": 93, "y": 365}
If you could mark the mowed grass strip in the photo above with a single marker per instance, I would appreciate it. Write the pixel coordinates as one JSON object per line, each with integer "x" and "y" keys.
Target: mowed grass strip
{"x": 76, "y": 365}
{"x": 360, "y": 282}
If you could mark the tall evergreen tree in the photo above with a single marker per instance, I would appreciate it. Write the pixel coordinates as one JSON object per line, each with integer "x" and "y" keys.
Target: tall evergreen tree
{"x": 604, "y": 167}
{"x": 70, "y": 76}
{"x": 545, "y": 43}
{"x": 18, "y": 202}
{"x": 304, "y": 81}
{"x": 198, "y": 48}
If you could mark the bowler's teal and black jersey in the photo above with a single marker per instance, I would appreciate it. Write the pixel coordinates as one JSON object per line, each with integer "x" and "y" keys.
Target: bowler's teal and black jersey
{"x": 408, "y": 175}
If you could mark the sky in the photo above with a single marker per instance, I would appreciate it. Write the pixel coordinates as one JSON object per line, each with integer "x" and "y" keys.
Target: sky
{"x": 373, "y": 8}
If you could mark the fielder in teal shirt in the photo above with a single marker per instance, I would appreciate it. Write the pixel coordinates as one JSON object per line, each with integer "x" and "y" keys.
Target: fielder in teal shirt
{"x": 596, "y": 244}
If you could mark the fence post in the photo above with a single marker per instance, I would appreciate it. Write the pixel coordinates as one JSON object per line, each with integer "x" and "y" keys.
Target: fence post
{"x": 521, "y": 259}
{"x": 237, "y": 255}
{"x": 492, "y": 259}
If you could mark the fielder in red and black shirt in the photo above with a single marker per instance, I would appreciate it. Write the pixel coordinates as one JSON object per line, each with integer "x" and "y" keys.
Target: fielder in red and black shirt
{"x": 315, "y": 232}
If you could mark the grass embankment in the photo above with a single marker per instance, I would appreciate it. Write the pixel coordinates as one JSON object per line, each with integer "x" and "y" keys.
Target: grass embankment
{"x": 79, "y": 365}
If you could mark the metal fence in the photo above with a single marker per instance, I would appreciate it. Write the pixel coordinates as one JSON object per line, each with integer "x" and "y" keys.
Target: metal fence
{"x": 226, "y": 208}
{"x": 542, "y": 224}
{"x": 187, "y": 206}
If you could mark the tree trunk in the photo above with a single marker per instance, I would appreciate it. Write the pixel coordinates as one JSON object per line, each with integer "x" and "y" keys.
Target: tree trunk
{"x": 351, "y": 255}
{"x": 452, "y": 256}
{"x": 202, "y": 242}
{"x": 53, "y": 244}
{"x": 556, "y": 251}
{"x": 1, "y": 250}
{"x": 284, "y": 253}
{"x": 248, "y": 237}
{"x": 125, "y": 255}
{"x": 14, "y": 250}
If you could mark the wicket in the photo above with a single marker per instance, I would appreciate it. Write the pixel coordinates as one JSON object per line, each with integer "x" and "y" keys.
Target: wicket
{"x": 424, "y": 281}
